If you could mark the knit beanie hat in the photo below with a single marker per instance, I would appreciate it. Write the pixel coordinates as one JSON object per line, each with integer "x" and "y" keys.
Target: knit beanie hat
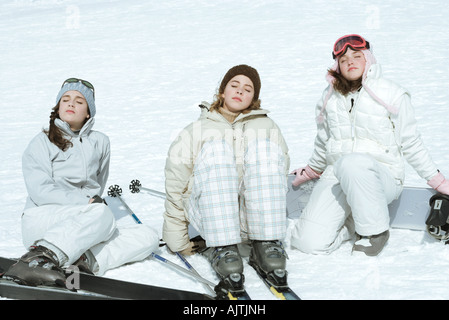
{"x": 81, "y": 88}
{"x": 245, "y": 70}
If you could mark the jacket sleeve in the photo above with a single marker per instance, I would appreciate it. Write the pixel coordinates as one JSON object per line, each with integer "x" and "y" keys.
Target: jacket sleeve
{"x": 280, "y": 140}
{"x": 103, "y": 172}
{"x": 37, "y": 172}
{"x": 318, "y": 159}
{"x": 408, "y": 136}
{"x": 178, "y": 171}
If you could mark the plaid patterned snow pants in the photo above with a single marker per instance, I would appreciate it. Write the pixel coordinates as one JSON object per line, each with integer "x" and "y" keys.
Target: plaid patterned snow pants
{"x": 225, "y": 209}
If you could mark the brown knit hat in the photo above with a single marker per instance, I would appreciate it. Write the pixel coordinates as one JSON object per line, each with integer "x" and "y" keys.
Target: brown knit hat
{"x": 245, "y": 70}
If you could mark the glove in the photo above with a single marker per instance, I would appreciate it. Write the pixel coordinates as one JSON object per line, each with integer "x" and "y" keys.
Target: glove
{"x": 196, "y": 244}
{"x": 304, "y": 174}
{"x": 439, "y": 183}
{"x": 96, "y": 199}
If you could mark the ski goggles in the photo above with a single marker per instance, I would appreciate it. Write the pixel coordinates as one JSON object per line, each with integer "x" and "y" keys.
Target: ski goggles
{"x": 84, "y": 82}
{"x": 354, "y": 41}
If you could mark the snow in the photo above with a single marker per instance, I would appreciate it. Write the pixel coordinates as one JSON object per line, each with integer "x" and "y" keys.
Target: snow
{"x": 153, "y": 62}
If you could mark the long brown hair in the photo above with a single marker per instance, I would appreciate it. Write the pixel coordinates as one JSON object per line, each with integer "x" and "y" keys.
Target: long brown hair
{"x": 54, "y": 134}
{"x": 343, "y": 85}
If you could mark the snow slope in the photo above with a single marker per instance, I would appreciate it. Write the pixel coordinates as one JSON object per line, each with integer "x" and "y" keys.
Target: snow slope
{"x": 152, "y": 62}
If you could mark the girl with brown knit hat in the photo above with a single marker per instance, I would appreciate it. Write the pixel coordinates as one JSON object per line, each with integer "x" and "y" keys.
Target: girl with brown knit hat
{"x": 226, "y": 175}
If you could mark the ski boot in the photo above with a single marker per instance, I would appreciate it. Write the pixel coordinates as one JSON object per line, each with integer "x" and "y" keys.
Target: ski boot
{"x": 227, "y": 263}
{"x": 372, "y": 245}
{"x": 87, "y": 263}
{"x": 269, "y": 260}
{"x": 39, "y": 266}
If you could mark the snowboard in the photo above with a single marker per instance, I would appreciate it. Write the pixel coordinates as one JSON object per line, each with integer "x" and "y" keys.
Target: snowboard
{"x": 409, "y": 211}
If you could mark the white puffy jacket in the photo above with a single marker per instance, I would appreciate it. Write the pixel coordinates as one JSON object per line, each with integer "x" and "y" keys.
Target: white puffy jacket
{"x": 370, "y": 128}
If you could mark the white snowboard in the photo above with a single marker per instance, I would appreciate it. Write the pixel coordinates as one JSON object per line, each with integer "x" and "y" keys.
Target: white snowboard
{"x": 409, "y": 211}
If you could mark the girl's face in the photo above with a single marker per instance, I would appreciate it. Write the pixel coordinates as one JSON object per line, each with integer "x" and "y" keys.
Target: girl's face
{"x": 352, "y": 64}
{"x": 73, "y": 109}
{"x": 238, "y": 94}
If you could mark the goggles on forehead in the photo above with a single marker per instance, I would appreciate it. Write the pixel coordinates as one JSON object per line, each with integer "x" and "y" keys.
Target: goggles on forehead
{"x": 354, "y": 41}
{"x": 84, "y": 82}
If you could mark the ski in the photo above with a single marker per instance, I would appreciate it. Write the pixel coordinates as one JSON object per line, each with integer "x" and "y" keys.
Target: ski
{"x": 10, "y": 289}
{"x": 231, "y": 289}
{"x": 237, "y": 295}
{"x": 282, "y": 292}
{"x": 94, "y": 287}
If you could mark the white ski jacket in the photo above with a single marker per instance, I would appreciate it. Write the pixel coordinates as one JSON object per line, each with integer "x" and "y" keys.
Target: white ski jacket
{"x": 70, "y": 177}
{"x": 370, "y": 128}
{"x": 186, "y": 147}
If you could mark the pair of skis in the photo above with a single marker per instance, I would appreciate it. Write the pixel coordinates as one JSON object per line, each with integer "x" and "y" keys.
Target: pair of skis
{"x": 91, "y": 287}
{"x": 282, "y": 292}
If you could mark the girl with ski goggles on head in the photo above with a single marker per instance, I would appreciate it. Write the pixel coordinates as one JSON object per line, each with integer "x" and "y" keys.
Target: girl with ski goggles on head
{"x": 365, "y": 130}
{"x": 65, "y": 220}
{"x": 354, "y": 41}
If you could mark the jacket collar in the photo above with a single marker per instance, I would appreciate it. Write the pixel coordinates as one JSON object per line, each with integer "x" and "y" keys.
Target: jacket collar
{"x": 215, "y": 116}
{"x": 65, "y": 127}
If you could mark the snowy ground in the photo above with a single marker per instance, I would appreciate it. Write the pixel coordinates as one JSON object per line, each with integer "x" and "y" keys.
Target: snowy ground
{"x": 152, "y": 62}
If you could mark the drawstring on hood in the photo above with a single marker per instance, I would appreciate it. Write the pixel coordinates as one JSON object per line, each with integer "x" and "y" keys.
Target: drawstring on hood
{"x": 370, "y": 60}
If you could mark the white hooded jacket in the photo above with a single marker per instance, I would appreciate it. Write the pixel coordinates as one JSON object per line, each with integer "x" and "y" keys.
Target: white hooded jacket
{"x": 53, "y": 176}
{"x": 381, "y": 123}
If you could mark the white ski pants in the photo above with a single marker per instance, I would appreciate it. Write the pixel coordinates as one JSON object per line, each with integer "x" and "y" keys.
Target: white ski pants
{"x": 72, "y": 230}
{"x": 353, "y": 195}
{"x": 225, "y": 210}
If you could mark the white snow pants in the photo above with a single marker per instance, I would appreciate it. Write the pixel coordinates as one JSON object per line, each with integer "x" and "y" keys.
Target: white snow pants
{"x": 356, "y": 184}
{"x": 72, "y": 230}
{"x": 223, "y": 209}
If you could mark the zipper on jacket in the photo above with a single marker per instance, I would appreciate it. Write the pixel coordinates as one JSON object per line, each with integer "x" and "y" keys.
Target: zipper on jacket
{"x": 85, "y": 164}
{"x": 353, "y": 116}
{"x": 352, "y": 120}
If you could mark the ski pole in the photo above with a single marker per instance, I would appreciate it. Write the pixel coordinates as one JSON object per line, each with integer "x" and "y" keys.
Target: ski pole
{"x": 192, "y": 269}
{"x": 116, "y": 191}
{"x": 136, "y": 187}
{"x": 181, "y": 269}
